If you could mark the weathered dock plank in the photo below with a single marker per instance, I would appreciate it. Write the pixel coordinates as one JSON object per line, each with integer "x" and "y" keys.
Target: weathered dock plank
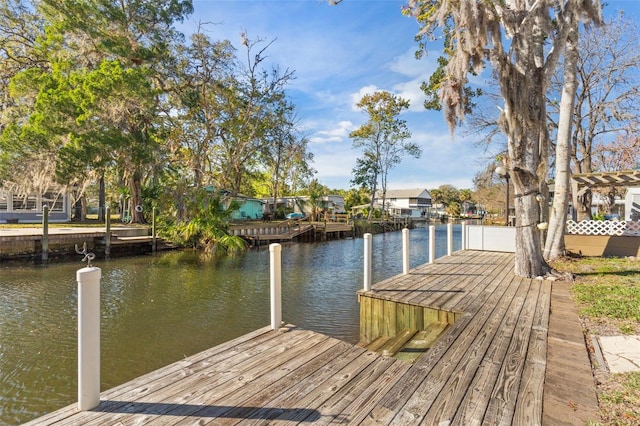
{"x": 203, "y": 392}
{"x": 254, "y": 398}
{"x": 450, "y": 377}
{"x": 529, "y": 405}
{"x": 471, "y": 306}
{"x": 487, "y": 367}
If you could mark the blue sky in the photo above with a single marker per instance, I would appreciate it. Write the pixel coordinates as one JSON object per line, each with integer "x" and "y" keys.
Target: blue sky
{"x": 339, "y": 53}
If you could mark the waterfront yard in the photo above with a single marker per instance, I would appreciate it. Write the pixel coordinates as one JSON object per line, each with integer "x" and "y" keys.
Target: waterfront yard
{"x": 607, "y": 292}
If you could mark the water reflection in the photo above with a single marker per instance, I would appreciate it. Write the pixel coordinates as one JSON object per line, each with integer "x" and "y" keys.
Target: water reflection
{"x": 158, "y": 309}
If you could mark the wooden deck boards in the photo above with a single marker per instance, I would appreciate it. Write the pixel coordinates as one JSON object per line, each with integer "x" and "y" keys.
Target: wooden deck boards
{"x": 487, "y": 368}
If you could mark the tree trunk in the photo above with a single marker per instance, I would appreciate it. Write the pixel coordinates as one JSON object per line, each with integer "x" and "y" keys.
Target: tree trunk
{"x": 523, "y": 118}
{"x": 529, "y": 261}
{"x": 373, "y": 197}
{"x": 554, "y": 247}
{"x": 135, "y": 185}
{"x": 101, "y": 198}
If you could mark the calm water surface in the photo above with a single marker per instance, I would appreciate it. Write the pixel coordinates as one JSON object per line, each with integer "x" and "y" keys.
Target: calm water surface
{"x": 159, "y": 309}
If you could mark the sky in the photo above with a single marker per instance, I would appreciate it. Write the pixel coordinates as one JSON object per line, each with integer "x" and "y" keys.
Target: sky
{"x": 338, "y": 54}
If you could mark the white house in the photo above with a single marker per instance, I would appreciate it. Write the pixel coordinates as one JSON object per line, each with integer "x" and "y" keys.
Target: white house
{"x": 632, "y": 204}
{"x": 27, "y": 208}
{"x": 302, "y": 204}
{"x": 405, "y": 202}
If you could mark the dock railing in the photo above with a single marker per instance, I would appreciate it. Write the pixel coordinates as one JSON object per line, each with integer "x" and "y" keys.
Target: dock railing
{"x": 405, "y": 250}
{"x": 490, "y": 238}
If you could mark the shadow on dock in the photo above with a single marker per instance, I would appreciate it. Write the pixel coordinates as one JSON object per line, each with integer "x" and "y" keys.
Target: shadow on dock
{"x": 210, "y": 411}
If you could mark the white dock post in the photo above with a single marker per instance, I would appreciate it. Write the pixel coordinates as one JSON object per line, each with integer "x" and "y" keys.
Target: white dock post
{"x": 463, "y": 246}
{"x": 367, "y": 261}
{"x": 88, "y": 337}
{"x": 275, "y": 250}
{"x": 449, "y": 239}
{"x": 432, "y": 243}
{"x": 405, "y": 251}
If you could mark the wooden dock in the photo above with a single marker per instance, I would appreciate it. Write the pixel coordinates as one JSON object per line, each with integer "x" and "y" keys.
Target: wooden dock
{"x": 256, "y": 233}
{"x": 488, "y": 367}
{"x": 26, "y": 243}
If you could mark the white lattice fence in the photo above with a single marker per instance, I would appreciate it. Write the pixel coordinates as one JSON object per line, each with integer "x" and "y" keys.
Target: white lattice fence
{"x": 604, "y": 227}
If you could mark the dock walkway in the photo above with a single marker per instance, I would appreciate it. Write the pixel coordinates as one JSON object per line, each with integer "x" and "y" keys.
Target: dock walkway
{"x": 262, "y": 233}
{"x": 489, "y": 367}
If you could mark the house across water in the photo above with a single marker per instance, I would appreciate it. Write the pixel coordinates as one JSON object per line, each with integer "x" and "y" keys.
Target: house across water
{"x": 18, "y": 207}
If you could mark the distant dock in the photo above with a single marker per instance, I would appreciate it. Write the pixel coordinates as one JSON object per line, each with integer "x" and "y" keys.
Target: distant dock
{"x": 18, "y": 244}
{"x": 503, "y": 358}
{"x": 264, "y": 233}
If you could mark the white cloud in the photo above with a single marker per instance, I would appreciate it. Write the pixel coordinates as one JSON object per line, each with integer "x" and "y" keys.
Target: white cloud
{"x": 357, "y": 96}
{"x": 411, "y": 91}
{"x": 338, "y": 133}
{"x": 407, "y": 64}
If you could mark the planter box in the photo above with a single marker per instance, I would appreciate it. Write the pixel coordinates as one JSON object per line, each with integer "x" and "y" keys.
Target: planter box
{"x": 602, "y": 245}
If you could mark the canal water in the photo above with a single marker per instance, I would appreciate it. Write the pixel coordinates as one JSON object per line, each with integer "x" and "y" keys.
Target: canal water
{"x": 158, "y": 309}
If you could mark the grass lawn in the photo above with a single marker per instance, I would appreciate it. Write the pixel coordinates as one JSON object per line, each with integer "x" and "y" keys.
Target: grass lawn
{"x": 607, "y": 292}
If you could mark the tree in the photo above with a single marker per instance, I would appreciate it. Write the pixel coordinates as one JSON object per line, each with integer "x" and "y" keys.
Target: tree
{"x": 354, "y": 197}
{"x": 600, "y": 69}
{"x": 284, "y": 155}
{"x": 96, "y": 100}
{"x": 316, "y": 192}
{"x": 365, "y": 176}
{"x": 554, "y": 244}
{"x": 438, "y": 78}
{"x": 23, "y": 168}
{"x": 445, "y": 194}
{"x": 20, "y": 28}
{"x": 623, "y": 153}
{"x": 608, "y": 98}
{"x": 232, "y": 125}
{"x": 384, "y": 139}
{"x": 207, "y": 227}
{"x": 128, "y": 42}
{"x": 536, "y": 34}
{"x": 465, "y": 197}
{"x": 201, "y": 79}
{"x": 250, "y": 107}
{"x": 606, "y": 103}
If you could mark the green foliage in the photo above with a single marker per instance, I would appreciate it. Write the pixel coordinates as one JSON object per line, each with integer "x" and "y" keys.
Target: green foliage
{"x": 207, "y": 227}
{"x": 366, "y": 171}
{"x": 439, "y": 77}
{"x": 445, "y": 194}
{"x": 316, "y": 192}
{"x": 355, "y": 197}
{"x": 454, "y": 209}
{"x": 100, "y": 88}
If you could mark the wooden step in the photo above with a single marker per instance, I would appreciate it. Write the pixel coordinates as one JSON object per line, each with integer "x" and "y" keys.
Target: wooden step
{"x": 421, "y": 342}
{"x": 396, "y": 343}
{"x": 377, "y": 343}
